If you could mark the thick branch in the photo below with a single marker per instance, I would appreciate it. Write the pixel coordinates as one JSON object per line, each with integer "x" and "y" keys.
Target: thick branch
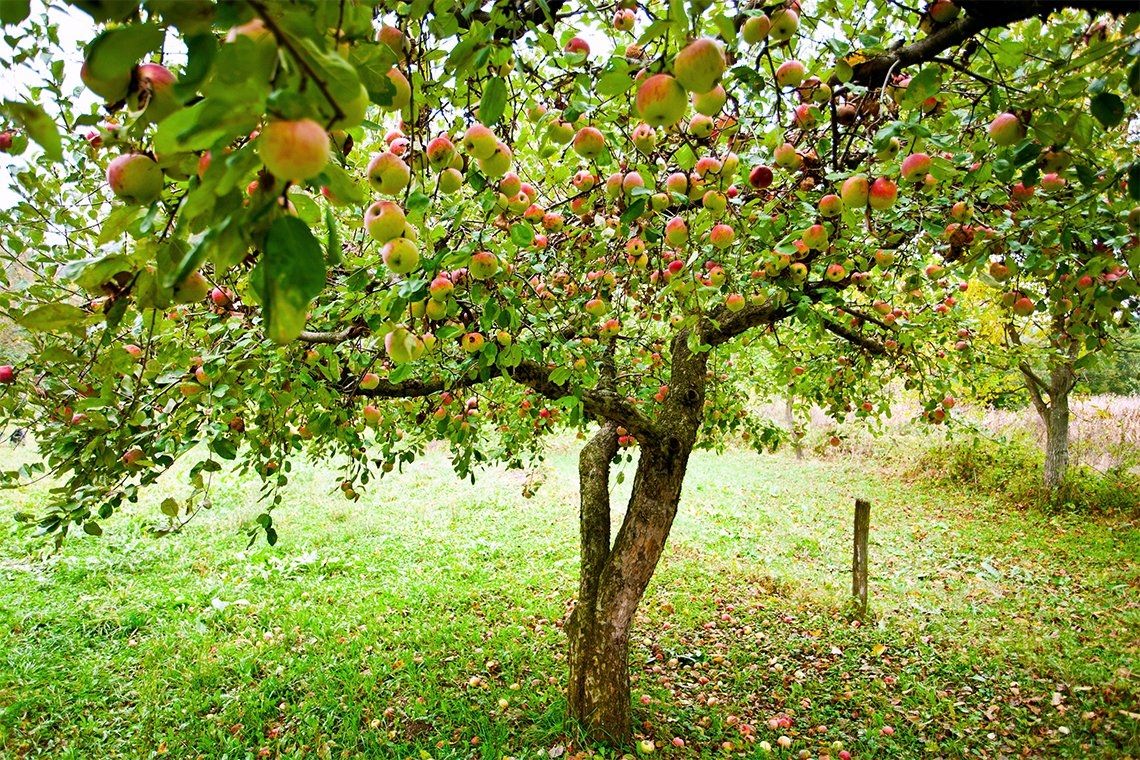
{"x": 339, "y": 336}
{"x": 980, "y": 15}
{"x": 1031, "y": 382}
{"x": 867, "y": 344}
{"x": 601, "y": 403}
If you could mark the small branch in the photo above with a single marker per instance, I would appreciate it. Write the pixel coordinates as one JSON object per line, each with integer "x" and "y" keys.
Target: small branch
{"x": 867, "y": 344}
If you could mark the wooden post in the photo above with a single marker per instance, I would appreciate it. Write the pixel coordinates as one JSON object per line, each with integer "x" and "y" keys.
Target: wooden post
{"x": 859, "y": 556}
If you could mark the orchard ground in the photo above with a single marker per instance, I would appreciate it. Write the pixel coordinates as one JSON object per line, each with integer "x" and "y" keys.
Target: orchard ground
{"x": 424, "y": 620}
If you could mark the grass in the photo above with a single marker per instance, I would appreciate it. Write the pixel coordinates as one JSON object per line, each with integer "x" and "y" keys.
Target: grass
{"x": 424, "y": 621}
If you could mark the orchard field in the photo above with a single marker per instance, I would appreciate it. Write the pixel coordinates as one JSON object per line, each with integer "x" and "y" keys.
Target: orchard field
{"x": 425, "y": 620}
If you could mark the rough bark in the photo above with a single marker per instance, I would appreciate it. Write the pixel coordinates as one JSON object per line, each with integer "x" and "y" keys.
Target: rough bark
{"x": 1050, "y": 396}
{"x": 614, "y": 579}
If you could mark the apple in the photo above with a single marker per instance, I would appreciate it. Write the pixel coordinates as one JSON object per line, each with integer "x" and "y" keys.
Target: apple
{"x": 484, "y": 265}
{"x": 440, "y": 288}
{"x": 722, "y": 235}
{"x": 154, "y": 92}
{"x": 830, "y": 205}
{"x": 790, "y": 74}
{"x": 1024, "y": 306}
{"x": 760, "y": 177}
{"x": 710, "y": 103}
{"x": 943, "y": 11}
{"x": 700, "y": 126}
{"x": 369, "y": 381}
{"x": 999, "y": 271}
{"x": 1084, "y": 282}
{"x": 786, "y": 156}
{"x": 707, "y": 165}
{"x": 610, "y": 328}
{"x": 135, "y": 178}
{"x": 498, "y": 162}
{"x": 5, "y": 141}
{"x": 578, "y": 45}
{"x": 815, "y": 237}
{"x": 479, "y": 141}
{"x": 646, "y": 747}
{"x": 699, "y": 65}
{"x": 784, "y": 23}
{"x": 734, "y": 302}
{"x": 596, "y": 307}
{"x": 715, "y": 201}
{"x": 589, "y": 142}
{"x": 387, "y": 173}
{"x": 510, "y": 185}
{"x": 623, "y": 19}
{"x": 7, "y": 374}
{"x": 676, "y": 231}
{"x": 221, "y": 298}
{"x": 644, "y": 138}
{"x": 472, "y": 342}
{"x": 883, "y": 194}
{"x": 294, "y": 150}
{"x": 803, "y": 116}
{"x": 450, "y": 180}
{"x": 1052, "y": 182}
{"x": 403, "y": 346}
{"x": 400, "y": 255}
{"x": 915, "y": 166}
{"x": 1006, "y": 129}
{"x": 1021, "y": 193}
{"x": 132, "y": 456}
{"x": 384, "y": 220}
{"x": 835, "y": 272}
{"x": 394, "y": 39}
{"x": 440, "y": 151}
{"x": 631, "y": 181}
{"x": 112, "y": 89}
{"x": 755, "y": 29}
{"x": 193, "y": 288}
{"x": 798, "y": 271}
{"x": 960, "y": 211}
{"x": 402, "y": 97}
{"x": 560, "y": 132}
{"x": 855, "y": 191}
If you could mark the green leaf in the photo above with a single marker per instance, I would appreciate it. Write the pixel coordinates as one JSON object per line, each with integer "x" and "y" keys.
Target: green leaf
{"x": 342, "y": 185}
{"x": 92, "y": 274}
{"x": 53, "y": 316}
{"x": 39, "y": 127}
{"x": 332, "y": 244}
{"x": 522, "y": 234}
{"x": 223, "y": 448}
{"x": 289, "y": 275}
{"x": 614, "y": 83}
{"x": 92, "y": 528}
{"x": 1108, "y": 109}
{"x": 14, "y": 11}
{"x": 493, "y": 102}
{"x": 169, "y": 507}
{"x": 115, "y": 52}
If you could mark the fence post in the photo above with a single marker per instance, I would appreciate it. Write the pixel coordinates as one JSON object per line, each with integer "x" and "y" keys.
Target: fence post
{"x": 859, "y": 556}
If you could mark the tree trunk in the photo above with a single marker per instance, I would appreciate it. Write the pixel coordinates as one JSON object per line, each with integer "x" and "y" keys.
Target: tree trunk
{"x": 1057, "y": 432}
{"x": 613, "y": 580}
{"x": 790, "y": 421}
{"x": 1050, "y": 396}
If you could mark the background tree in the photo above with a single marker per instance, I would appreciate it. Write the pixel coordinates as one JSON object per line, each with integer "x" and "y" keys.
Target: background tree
{"x": 348, "y": 228}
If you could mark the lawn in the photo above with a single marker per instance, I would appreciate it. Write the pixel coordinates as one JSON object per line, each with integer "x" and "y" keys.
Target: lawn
{"x": 425, "y": 621}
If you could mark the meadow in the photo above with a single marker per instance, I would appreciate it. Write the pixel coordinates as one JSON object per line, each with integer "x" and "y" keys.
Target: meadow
{"x": 424, "y": 621}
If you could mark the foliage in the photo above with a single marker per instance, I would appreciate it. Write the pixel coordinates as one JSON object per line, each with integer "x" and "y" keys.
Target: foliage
{"x": 1002, "y": 632}
{"x": 1011, "y": 469}
{"x": 150, "y": 306}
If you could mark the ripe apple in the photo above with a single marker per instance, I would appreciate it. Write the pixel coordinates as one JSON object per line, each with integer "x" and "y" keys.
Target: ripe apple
{"x": 815, "y": 237}
{"x": 707, "y": 165}
{"x": 610, "y": 328}
{"x": 644, "y": 138}
{"x": 755, "y": 29}
{"x": 498, "y": 162}
{"x": 790, "y": 74}
{"x": 734, "y": 302}
{"x": 221, "y": 298}
{"x": 510, "y": 185}
{"x": 384, "y": 220}
{"x": 403, "y": 346}
{"x": 943, "y": 11}
{"x": 440, "y": 151}
{"x": 589, "y": 142}
{"x": 787, "y": 157}
{"x": 132, "y": 456}
{"x": 710, "y": 103}
{"x": 484, "y": 265}
{"x": 699, "y": 65}
{"x": 676, "y": 231}
{"x": 135, "y": 178}
{"x": 1006, "y": 129}
{"x": 884, "y": 258}
{"x": 835, "y": 272}
{"x": 1052, "y": 182}
{"x": 830, "y": 205}
{"x": 700, "y": 126}
{"x": 915, "y": 166}
{"x": 5, "y": 141}
{"x": 402, "y": 97}
{"x": 722, "y": 235}
{"x": 999, "y": 271}
{"x": 785, "y": 22}
{"x": 479, "y": 141}
{"x": 623, "y": 19}
{"x": 472, "y": 342}
{"x": 294, "y": 150}
{"x": 883, "y": 194}
{"x": 387, "y": 173}
{"x": 369, "y": 381}
{"x": 631, "y": 181}
{"x": 760, "y": 177}
{"x": 578, "y": 45}
{"x": 154, "y": 93}
{"x": 394, "y": 39}
{"x": 804, "y": 116}
{"x": 855, "y": 191}
{"x": 7, "y": 374}
{"x": 450, "y": 180}
{"x": 401, "y": 255}
{"x": 596, "y": 307}
{"x": 192, "y": 289}
{"x": 1024, "y": 306}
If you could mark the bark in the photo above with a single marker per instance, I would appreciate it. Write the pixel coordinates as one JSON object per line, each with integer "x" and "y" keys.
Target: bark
{"x": 790, "y": 421}
{"x": 1050, "y": 396}
{"x": 614, "y": 580}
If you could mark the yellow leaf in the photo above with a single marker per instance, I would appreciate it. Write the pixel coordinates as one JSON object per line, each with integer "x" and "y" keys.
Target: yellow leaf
{"x": 877, "y": 650}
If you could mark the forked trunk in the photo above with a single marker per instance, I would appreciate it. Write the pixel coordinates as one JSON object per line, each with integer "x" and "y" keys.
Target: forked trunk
{"x": 614, "y": 580}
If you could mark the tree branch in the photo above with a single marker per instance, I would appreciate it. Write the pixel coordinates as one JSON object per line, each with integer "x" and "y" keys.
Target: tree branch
{"x": 867, "y": 344}
{"x": 980, "y": 15}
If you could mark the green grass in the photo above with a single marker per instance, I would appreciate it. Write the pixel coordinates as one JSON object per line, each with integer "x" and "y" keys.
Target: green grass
{"x": 393, "y": 626}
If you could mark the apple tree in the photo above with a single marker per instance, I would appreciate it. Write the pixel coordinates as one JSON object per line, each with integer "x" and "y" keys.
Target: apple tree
{"x": 262, "y": 230}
